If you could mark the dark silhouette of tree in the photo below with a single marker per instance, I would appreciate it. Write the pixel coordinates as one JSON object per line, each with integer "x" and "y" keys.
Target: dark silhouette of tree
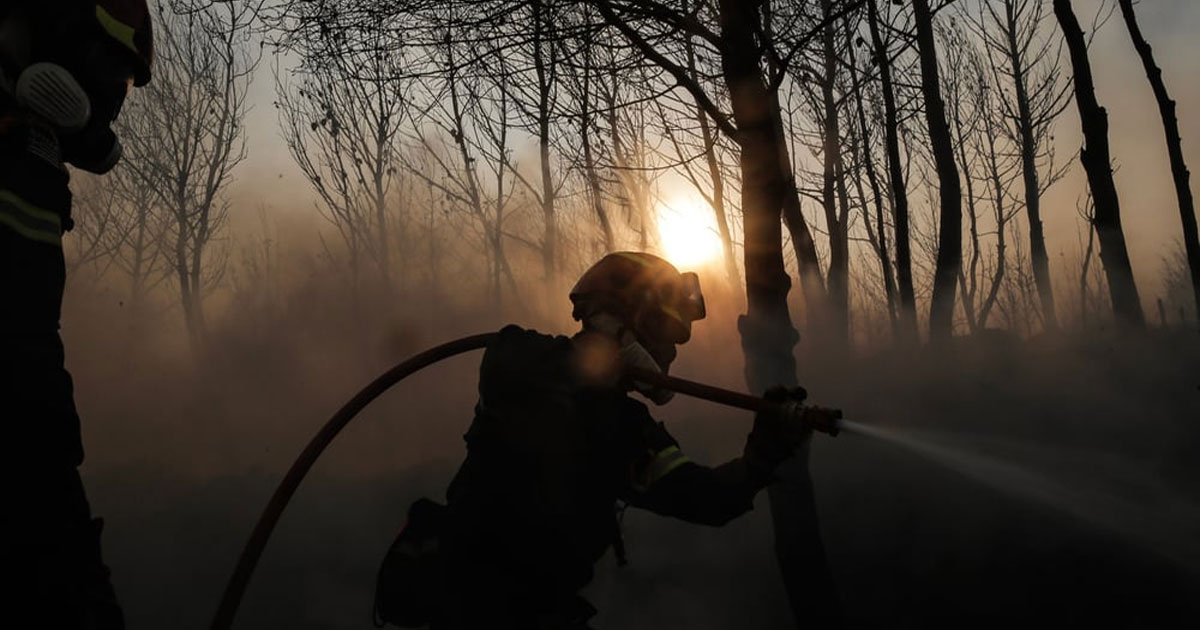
{"x": 999, "y": 173}
{"x": 121, "y": 228}
{"x": 949, "y": 252}
{"x": 862, "y": 149}
{"x": 1096, "y": 162}
{"x": 961, "y": 86}
{"x": 341, "y": 118}
{"x": 186, "y": 137}
{"x": 899, "y": 189}
{"x": 581, "y": 85}
{"x": 1179, "y": 169}
{"x": 833, "y": 195}
{"x": 1026, "y": 65}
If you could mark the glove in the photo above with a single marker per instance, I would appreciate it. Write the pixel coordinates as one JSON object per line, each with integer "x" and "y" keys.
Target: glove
{"x": 778, "y": 427}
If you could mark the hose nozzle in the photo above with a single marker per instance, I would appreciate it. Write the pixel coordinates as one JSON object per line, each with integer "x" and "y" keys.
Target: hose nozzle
{"x": 821, "y": 419}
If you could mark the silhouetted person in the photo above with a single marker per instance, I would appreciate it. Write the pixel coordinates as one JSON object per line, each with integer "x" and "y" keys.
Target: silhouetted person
{"x": 557, "y": 443}
{"x": 65, "y": 68}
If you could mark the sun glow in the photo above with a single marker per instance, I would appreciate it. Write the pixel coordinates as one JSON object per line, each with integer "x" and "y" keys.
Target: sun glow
{"x": 688, "y": 232}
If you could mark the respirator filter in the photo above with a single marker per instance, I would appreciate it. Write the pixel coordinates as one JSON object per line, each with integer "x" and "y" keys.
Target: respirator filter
{"x": 49, "y": 90}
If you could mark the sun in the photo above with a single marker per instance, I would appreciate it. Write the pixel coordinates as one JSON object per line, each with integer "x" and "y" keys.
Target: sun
{"x": 688, "y": 232}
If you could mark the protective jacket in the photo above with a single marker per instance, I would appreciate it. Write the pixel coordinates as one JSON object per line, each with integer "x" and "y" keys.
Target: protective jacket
{"x": 551, "y": 452}
{"x": 49, "y": 543}
{"x": 35, "y": 205}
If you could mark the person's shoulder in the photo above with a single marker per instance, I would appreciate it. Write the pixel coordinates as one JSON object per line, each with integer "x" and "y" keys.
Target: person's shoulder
{"x": 516, "y": 351}
{"x": 513, "y": 336}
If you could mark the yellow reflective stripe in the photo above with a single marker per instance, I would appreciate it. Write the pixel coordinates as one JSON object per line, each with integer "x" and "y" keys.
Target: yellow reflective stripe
{"x": 28, "y": 232}
{"x": 664, "y": 462}
{"x": 28, "y": 220}
{"x": 119, "y": 30}
{"x": 30, "y": 209}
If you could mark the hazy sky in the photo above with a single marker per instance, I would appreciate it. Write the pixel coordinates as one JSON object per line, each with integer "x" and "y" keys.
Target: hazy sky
{"x": 1149, "y": 209}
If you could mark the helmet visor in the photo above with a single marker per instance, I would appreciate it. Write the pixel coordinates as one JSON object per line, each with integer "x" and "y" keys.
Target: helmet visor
{"x": 691, "y": 299}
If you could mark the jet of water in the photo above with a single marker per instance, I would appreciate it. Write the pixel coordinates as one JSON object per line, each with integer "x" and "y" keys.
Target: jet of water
{"x": 1160, "y": 522}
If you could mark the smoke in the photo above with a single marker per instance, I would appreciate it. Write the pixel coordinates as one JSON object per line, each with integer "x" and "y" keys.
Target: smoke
{"x": 185, "y": 447}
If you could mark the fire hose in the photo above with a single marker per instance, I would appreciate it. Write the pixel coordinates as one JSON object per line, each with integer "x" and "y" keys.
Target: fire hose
{"x": 817, "y": 418}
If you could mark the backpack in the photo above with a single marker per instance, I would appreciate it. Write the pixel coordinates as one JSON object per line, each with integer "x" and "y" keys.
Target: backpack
{"x": 407, "y": 586}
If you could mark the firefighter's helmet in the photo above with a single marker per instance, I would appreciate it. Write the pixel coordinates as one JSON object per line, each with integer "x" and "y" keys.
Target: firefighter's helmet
{"x": 128, "y": 23}
{"x": 647, "y": 293}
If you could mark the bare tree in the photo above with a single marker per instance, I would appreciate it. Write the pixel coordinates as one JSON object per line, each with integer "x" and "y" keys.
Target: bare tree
{"x": 581, "y": 84}
{"x": 1025, "y": 62}
{"x": 341, "y": 118}
{"x": 899, "y": 188}
{"x": 962, "y": 86}
{"x": 863, "y": 150}
{"x": 185, "y": 137}
{"x": 533, "y": 83}
{"x": 999, "y": 173}
{"x": 122, "y": 231}
{"x": 1096, "y": 161}
{"x": 949, "y": 254}
{"x": 460, "y": 131}
{"x": 711, "y": 184}
{"x": 96, "y": 234}
{"x": 1179, "y": 169}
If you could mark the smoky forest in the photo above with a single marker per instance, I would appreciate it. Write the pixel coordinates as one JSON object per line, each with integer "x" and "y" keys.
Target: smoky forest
{"x": 968, "y": 224}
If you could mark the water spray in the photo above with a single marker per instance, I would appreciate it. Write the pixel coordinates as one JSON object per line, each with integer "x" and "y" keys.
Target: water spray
{"x": 1165, "y": 525}
{"x": 820, "y": 419}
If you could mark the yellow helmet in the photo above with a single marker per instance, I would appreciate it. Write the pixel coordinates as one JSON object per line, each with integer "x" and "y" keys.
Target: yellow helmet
{"x": 128, "y": 23}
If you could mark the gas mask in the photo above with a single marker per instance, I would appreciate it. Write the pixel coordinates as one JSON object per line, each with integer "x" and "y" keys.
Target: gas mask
{"x": 632, "y": 354}
{"x": 80, "y": 112}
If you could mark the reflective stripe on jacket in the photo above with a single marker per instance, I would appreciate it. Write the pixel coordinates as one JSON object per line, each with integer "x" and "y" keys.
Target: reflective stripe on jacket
{"x": 28, "y": 220}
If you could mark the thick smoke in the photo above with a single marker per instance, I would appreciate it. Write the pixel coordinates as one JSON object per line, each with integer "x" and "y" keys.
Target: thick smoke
{"x": 185, "y": 448}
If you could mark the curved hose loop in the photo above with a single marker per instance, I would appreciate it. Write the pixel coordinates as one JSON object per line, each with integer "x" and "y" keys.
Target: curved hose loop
{"x": 236, "y": 587}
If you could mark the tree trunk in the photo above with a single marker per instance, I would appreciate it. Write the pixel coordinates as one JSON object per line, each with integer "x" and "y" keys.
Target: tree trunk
{"x": 949, "y": 255}
{"x": 718, "y": 201}
{"x": 545, "y": 78}
{"x": 868, "y": 165}
{"x": 589, "y": 160}
{"x": 839, "y": 245}
{"x": 718, "y": 181}
{"x": 1033, "y": 193}
{"x": 1179, "y": 169}
{"x": 904, "y": 282}
{"x": 1096, "y": 162}
{"x": 766, "y": 328}
{"x": 1001, "y": 219}
{"x": 967, "y": 279}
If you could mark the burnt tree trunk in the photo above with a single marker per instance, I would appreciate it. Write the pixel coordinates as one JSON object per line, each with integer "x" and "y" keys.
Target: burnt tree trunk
{"x": 1033, "y": 191}
{"x": 1179, "y": 169}
{"x": 899, "y": 189}
{"x": 1001, "y": 214}
{"x": 879, "y": 243}
{"x": 839, "y": 245}
{"x": 1096, "y": 162}
{"x": 949, "y": 254}
{"x": 767, "y": 332}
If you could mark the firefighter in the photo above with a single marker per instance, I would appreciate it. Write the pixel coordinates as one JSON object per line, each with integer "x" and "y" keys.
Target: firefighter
{"x": 557, "y": 443}
{"x": 65, "y": 69}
